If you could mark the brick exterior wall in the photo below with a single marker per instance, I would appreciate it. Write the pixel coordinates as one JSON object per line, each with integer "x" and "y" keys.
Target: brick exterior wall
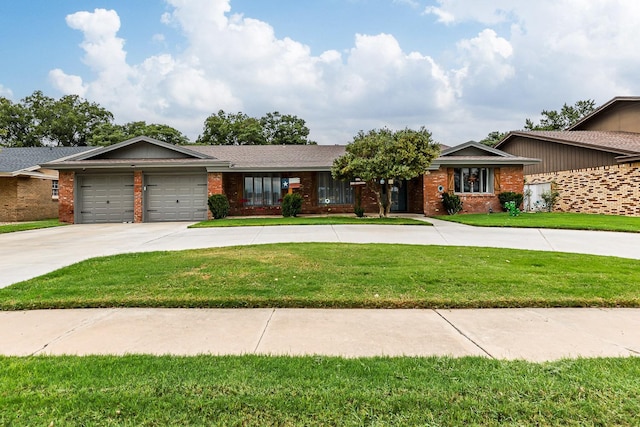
{"x": 138, "y": 194}
{"x": 65, "y": 196}
{"x": 8, "y": 199}
{"x": 26, "y": 199}
{"x": 505, "y": 179}
{"x": 613, "y": 190}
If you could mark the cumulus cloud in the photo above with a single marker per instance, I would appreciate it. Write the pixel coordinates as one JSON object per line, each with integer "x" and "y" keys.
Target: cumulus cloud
{"x": 526, "y": 56}
{"x": 6, "y": 92}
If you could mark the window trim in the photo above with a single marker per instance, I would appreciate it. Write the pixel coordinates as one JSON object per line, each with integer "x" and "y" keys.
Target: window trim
{"x": 345, "y": 190}
{"x": 55, "y": 189}
{"x": 459, "y": 182}
{"x": 274, "y": 181}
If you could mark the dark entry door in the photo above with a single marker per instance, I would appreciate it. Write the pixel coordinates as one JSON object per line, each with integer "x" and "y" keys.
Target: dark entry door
{"x": 399, "y": 196}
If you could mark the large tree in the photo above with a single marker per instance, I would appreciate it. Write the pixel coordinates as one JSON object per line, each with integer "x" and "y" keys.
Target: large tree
{"x": 563, "y": 119}
{"x": 379, "y": 156}
{"x": 240, "y": 129}
{"x": 41, "y": 120}
{"x": 551, "y": 120}
{"x": 285, "y": 129}
{"x": 108, "y": 133}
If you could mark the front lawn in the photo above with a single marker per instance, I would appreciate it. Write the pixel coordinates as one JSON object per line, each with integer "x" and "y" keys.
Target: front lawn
{"x": 573, "y": 221}
{"x": 33, "y": 225}
{"x": 308, "y": 220}
{"x": 260, "y": 390}
{"x": 336, "y": 275}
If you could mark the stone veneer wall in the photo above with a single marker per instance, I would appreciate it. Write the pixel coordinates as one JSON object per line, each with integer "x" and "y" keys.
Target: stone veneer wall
{"x": 613, "y": 190}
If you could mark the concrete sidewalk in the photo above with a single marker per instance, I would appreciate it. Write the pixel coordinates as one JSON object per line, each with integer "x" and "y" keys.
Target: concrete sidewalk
{"x": 530, "y": 334}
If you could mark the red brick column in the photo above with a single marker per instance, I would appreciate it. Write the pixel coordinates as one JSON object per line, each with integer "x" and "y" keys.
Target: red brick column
{"x": 65, "y": 196}
{"x": 214, "y": 186}
{"x": 432, "y": 195}
{"x": 138, "y": 194}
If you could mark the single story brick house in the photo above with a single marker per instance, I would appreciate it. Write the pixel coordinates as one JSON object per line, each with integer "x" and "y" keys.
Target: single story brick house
{"x": 594, "y": 165}
{"x": 29, "y": 192}
{"x": 145, "y": 180}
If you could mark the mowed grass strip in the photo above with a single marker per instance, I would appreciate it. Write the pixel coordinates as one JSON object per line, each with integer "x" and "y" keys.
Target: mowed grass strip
{"x": 335, "y": 275}
{"x": 315, "y": 220}
{"x": 256, "y": 390}
{"x": 34, "y": 225}
{"x": 558, "y": 220}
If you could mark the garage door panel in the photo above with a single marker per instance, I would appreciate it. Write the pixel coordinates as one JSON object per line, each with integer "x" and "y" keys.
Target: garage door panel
{"x": 105, "y": 198}
{"x": 176, "y": 197}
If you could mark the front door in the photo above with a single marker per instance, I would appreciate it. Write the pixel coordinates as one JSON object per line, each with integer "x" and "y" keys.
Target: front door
{"x": 399, "y": 196}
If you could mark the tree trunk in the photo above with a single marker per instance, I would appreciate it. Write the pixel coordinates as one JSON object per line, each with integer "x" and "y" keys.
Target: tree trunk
{"x": 387, "y": 197}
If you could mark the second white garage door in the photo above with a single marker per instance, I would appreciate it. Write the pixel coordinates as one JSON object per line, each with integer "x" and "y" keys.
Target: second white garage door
{"x": 175, "y": 197}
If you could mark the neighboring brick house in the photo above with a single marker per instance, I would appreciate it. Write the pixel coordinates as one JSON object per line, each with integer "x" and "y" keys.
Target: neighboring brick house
{"x": 29, "y": 192}
{"x": 594, "y": 165}
{"x": 145, "y": 180}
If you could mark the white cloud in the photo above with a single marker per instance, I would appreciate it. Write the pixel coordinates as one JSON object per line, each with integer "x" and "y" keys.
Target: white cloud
{"x": 6, "y": 92}
{"x": 526, "y": 56}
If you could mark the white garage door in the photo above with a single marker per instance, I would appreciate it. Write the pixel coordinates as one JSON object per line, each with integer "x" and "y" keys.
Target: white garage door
{"x": 175, "y": 197}
{"x": 105, "y": 198}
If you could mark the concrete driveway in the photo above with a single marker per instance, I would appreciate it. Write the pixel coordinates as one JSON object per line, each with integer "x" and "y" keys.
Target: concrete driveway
{"x": 27, "y": 254}
{"x": 531, "y": 334}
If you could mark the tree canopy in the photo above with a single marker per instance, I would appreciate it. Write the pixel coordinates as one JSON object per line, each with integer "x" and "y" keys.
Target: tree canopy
{"x": 563, "y": 119}
{"x": 240, "y": 129}
{"x": 41, "y": 120}
{"x": 108, "y": 133}
{"x": 551, "y": 120}
{"x": 379, "y": 156}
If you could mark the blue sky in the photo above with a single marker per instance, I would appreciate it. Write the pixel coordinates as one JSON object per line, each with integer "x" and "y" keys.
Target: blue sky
{"x": 461, "y": 68}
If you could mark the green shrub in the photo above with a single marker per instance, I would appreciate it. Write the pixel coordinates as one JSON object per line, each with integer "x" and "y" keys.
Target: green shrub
{"x": 452, "y": 203}
{"x": 510, "y": 196}
{"x": 550, "y": 198}
{"x": 291, "y": 205}
{"x": 218, "y": 205}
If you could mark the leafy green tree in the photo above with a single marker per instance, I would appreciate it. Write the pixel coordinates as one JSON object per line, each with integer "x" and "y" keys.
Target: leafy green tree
{"x": 109, "y": 133}
{"x": 41, "y": 120}
{"x": 493, "y": 138}
{"x": 285, "y": 129}
{"x": 379, "y": 156}
{"x": 240, "y": 129}
{"x": 563, "y": 119}
{"x": 72, "y": 120}
{"x": 231, "y": 129}
{"x": 551, "y": 120}
{"x": 18, "y": 126}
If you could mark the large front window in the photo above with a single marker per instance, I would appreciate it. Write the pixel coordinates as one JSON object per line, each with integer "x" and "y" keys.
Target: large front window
{"x": 332, "y": 191}
{"x": 261, "y": 190}
{"x": 473, "y": 180}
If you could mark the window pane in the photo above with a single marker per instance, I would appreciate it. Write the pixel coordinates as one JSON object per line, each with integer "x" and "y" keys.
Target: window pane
{"x": 248, "y": 191}
{"x": 257, "y": 191}
{"x": 268, "y": 199}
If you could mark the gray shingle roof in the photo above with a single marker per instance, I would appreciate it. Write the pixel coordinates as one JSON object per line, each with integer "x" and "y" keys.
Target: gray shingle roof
{"x": 617, "y": 142}
{"x": 274, "y": 156}
{"x": 19, "y": 158}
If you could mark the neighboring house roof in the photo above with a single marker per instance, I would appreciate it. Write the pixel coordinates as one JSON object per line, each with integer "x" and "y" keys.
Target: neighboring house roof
{"x": 604, "y": 107}
{"x": 473, "y": 153}
{"x": 623, "y": 143}
{"x": 15, "y": 161}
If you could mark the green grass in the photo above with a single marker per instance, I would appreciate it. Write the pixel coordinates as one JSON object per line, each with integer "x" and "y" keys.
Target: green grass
{"x": 336, "y": 275}
{"x": 22, "y": 226}
{"x": 256, "y": 390}
{"x": 315, "y": 220}
{"x": 573, "y": 221}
